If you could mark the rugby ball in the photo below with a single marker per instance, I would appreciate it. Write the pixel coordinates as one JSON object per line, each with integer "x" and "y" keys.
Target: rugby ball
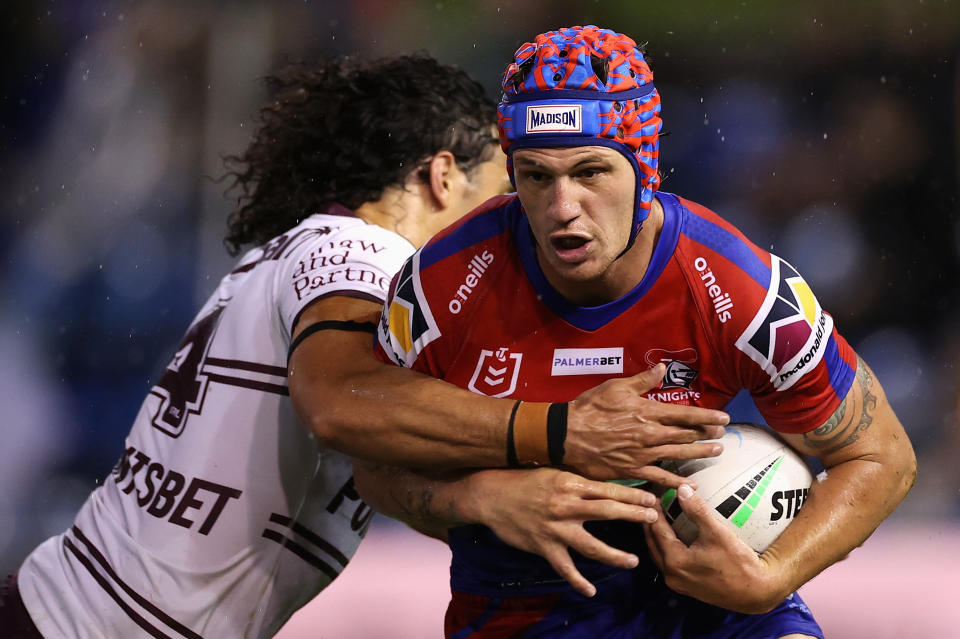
{"x": 755, "y": 486}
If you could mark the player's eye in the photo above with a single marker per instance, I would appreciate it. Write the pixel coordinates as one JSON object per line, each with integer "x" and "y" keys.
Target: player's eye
{"x": 532, "y": 175}
{"x": 590, "y": 172}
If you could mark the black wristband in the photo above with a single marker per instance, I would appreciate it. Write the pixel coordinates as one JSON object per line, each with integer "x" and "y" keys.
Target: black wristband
{"x": 512, "y": 461}
{"x": 556, "y": 432}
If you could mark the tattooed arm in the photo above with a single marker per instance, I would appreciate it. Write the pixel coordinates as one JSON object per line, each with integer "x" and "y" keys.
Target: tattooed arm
{"x": 870, "y": 468}
{"x": 538, "y": 510}
{"x": 847, "y": 422}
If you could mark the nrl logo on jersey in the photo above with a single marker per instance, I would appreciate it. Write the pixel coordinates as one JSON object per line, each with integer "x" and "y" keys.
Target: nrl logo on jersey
{"x": 496, "y": 373}
{"x": 789, "y": 333}
{"x": 554, "y": 118}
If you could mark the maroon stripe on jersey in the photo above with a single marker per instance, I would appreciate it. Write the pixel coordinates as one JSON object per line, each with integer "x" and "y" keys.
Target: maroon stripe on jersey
{"x": 237, "y": 364}
{"x": 244, "y": 268}
{"x": 335, "y": 208}
{"x": 147, "y": 605}
{"x": 137, "y": 619}
{"x": 301, "y": 552}
{"x": 248, "y": 383}
{"x": 310, "y": 536}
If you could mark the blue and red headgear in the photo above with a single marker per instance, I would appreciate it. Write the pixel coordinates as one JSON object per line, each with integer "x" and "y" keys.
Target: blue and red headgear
{"x": 584, "y": 86}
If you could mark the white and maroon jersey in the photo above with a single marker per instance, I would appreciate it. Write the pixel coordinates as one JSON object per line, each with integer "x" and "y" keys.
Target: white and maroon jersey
{"x": 473, "y": 307}
{"x": 223, "y": 515}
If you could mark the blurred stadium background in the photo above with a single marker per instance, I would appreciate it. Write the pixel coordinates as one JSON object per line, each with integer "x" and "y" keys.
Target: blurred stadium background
{"x": 827, "y": 130}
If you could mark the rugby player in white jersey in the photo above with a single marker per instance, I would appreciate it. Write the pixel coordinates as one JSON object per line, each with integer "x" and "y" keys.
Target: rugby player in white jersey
{"x": 224, "y": 514}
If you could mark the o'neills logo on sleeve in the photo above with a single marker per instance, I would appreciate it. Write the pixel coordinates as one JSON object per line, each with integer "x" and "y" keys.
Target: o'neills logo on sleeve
{"x": 587, "y": 361}
{"x": 555, "y": 118}
{"x": 477, "y": 267}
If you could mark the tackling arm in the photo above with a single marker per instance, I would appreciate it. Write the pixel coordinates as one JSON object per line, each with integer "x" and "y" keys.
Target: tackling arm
{"x": 539, "y": 510}
{"x": 365, "y": 408}
{"x": 870, "y": 468}
{"x": 369, "y": 410}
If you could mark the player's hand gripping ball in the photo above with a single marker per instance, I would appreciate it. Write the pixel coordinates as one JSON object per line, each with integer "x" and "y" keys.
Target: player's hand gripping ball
{"x": 756, "y": 486}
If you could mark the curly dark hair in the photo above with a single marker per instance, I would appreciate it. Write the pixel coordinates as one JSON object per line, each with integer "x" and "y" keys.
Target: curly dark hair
{"x": 343, "y": 131}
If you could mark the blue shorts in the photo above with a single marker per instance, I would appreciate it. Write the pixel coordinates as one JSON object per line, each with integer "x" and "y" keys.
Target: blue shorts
{"x": 627, "y": 605}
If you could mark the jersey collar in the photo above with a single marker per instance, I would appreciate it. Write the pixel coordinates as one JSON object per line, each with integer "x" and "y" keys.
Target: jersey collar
{"x": 590, "y": 318}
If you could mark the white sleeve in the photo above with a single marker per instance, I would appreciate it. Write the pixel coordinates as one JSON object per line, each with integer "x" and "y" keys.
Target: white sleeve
{"x": 356, "y": 261}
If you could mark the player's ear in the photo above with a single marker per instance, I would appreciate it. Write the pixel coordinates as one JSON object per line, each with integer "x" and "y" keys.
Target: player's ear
{"x": 442, "y": 173}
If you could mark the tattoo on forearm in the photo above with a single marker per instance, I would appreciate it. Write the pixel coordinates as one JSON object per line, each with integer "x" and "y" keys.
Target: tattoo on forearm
{"x": 831, "y": 424}
{"x": 844, "y": 427}
{"x": 417, "y": 499}
{"x": 414, "y": 500}
{"x": 425, "y": 510}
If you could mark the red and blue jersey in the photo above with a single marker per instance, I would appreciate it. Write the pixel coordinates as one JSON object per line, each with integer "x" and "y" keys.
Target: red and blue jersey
{"x": 473, "y": 307}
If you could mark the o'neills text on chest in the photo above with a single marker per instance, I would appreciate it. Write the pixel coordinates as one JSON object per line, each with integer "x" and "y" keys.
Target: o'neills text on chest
{"x": 476, "y": 268}
{"x": 721, "y": 300}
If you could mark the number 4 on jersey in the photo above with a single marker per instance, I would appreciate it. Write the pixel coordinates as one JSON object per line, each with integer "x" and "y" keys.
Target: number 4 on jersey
{"x": 183, "y": 386}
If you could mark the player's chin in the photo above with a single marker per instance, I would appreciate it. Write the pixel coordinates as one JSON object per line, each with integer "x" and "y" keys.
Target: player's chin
{"x": 580, "y": 272}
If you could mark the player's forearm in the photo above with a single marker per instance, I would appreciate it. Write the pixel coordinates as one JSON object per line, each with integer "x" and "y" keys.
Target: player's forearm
{"x": 841, "y": 512}
{"x": 429, "y": 505}
{"x": 870, "y": 468}
{"x": 838, "y": 515}
{"x": 356, "y": 404}
{"x": 395, "y": 416}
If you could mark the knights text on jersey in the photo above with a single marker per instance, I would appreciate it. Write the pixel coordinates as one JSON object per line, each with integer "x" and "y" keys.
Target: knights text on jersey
{"x": 223, "y": 515}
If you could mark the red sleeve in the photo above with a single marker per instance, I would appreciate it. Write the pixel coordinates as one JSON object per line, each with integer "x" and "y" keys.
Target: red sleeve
{"x": 769, "y": 331}
{"x": 407, "y": 325}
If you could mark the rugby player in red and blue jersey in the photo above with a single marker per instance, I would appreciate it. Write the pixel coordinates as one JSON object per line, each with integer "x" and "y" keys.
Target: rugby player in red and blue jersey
{"x": 587, "y": 274}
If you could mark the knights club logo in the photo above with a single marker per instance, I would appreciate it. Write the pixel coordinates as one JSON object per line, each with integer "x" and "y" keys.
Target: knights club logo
{"x": 496, "y": 373}
{"x": 680, "y": 373}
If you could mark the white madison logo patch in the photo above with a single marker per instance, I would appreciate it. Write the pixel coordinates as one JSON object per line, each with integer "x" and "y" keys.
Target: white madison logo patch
{"x": 555, "y": 118}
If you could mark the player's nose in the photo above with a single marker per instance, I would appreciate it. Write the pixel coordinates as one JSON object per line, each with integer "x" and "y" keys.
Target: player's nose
{"x": 563, "y": 206}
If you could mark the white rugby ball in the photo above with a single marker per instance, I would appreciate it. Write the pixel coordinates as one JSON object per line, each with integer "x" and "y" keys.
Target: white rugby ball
{"x": 755, "y": 486}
